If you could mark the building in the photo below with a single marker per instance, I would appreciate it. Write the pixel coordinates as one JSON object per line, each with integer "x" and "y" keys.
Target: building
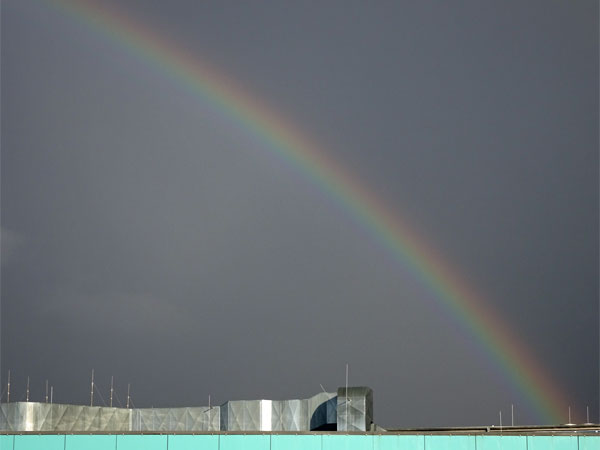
{"x": 346, "y": 410}
{"x": 556, "y": 439}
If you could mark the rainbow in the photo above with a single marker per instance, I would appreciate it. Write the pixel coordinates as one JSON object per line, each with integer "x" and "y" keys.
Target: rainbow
{"x": 467, "y": 307}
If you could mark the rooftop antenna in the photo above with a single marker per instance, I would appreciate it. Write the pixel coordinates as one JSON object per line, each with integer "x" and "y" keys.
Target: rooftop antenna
{"x": 46, "y": 391}
{"x": 208, "y": 410}
{"x": 51, "y": 394}
{"x": 111, "y": 389}
{"x": 500, "y": 412}
{"x": 346, "y": 404}
{"x": 210, "y": 415}
{"x": 27, "y": 392}
{"x": 346, "y": 388}
{"x": 587, "y": 414}
{"x": 569, "y": 417}
{"x": 512, "y": 415}
{"x": 8, "y": 389}
{"x": 92, "y": 390}
{"x": 128, "y": 386}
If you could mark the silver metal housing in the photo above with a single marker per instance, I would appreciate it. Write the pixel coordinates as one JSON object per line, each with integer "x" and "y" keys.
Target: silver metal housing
{"x": 324, "y": 411}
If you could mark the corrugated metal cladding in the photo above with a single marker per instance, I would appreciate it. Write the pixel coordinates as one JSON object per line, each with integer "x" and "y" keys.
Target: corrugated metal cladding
{"x": 296, "y": 442}
{"x": 325, "y": 411}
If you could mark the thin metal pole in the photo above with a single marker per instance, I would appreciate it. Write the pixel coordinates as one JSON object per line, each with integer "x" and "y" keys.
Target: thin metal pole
{"x": 92, "y": 390}
{"x": 346, "y": 408}
{"x": 569, "y": 414}
{"x": 512, "y": 415}
{"x": 500, "y": 412}
{"x": 346, "y": 377}
{"x": 587, "y": 414}
{"x": 111, "y": 390}
{"x": 51, "y": 394}
{"x": 27, "y": 396}
{"x": 46, "y": 391}
{"x": 128, "y": 386}
{"x": 346, "y": 382}
{"x": 8, "y": 389}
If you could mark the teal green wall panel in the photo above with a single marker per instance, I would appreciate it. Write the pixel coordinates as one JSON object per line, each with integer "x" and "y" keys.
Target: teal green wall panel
{"x": 193, "y": 442}
{"x": 412, "y": 442}
{"x": 449, "y": 442}
{"x": 295, "y": 442}
{"x": 347, "y": 442}
{"x": 91, "y": 442}
{"x": 6, "y": 442}
{"x": 245, "y": 442}
{"x": 552, "y": 442}
{"x": 399, "y": 442}
{"x": 39, "y": 442}
{"x": 589, "y": 442}
{"x": 139, "y": 442}
{"x": 501, "y": 442}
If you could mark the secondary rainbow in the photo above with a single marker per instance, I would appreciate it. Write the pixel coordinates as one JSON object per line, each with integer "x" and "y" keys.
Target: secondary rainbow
{"x": 476, "y": 316}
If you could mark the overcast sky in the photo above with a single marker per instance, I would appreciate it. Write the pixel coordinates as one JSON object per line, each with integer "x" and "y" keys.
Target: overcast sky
{"x": 147, "y": 235}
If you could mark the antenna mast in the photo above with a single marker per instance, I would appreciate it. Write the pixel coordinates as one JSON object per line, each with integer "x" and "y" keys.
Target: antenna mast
{"x": 346, "y": 390}
{"x": 111, "y": 390}
{"x": 8, "y": 389}
{"x": 27, "y": 396}
{"x": 46, "y": 391}
{"x": 346, "y": 402}
{"x": 128, "y": 386}
{"x": 92, "y": 390}
{"x": 587, "y": 414}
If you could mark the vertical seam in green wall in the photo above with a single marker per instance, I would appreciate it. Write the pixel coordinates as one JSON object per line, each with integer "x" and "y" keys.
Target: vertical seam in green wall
{"x": 116, "y": 441}
{"x": 65, "y": 442}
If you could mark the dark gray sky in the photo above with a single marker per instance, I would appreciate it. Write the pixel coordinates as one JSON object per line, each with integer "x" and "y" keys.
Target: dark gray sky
{"x": 148, "y": 236}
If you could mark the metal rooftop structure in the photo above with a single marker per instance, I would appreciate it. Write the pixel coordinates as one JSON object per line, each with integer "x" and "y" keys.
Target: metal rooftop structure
{"x": 350, "y": 409}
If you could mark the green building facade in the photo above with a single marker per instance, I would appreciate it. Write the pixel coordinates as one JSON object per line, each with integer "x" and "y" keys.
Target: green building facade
{"x": 315, "y": 441}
